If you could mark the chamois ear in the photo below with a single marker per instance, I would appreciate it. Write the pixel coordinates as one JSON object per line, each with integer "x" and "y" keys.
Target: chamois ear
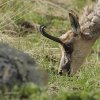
{"x": 74, "y": 22}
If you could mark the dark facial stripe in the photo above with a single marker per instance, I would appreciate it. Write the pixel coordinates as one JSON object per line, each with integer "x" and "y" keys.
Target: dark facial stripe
{"x": 68, "y": 48}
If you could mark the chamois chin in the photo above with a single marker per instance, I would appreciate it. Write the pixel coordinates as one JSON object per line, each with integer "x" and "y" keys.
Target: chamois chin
{"x": 77, "y": 43}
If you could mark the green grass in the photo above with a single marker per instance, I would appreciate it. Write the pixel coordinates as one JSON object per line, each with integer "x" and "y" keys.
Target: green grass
{"x": 85, "y": 85}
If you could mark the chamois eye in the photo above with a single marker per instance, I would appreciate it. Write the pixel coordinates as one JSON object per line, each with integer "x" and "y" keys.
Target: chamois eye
{"x": 69, "y": 48}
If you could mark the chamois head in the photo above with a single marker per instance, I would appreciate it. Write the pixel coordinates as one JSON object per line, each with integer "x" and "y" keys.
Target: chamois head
{"x": 75, "y": 45}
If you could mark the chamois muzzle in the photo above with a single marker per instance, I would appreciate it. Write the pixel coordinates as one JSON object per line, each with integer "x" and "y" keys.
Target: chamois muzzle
{"x": 65, "y": 64}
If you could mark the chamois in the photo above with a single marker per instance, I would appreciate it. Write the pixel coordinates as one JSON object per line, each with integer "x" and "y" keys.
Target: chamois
{"x": 77, "y": 43}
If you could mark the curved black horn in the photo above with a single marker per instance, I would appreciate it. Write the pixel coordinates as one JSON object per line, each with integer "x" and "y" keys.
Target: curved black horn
{"x": 42, "y": 30}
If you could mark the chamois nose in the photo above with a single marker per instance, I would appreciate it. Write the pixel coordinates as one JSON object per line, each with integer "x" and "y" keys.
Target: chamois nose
{"x": 65, "y": 69}
{"x": 60, "y": 72}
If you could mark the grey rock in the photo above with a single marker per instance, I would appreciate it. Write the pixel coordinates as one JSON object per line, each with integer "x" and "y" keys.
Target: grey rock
{"x": 17, "y": 68}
